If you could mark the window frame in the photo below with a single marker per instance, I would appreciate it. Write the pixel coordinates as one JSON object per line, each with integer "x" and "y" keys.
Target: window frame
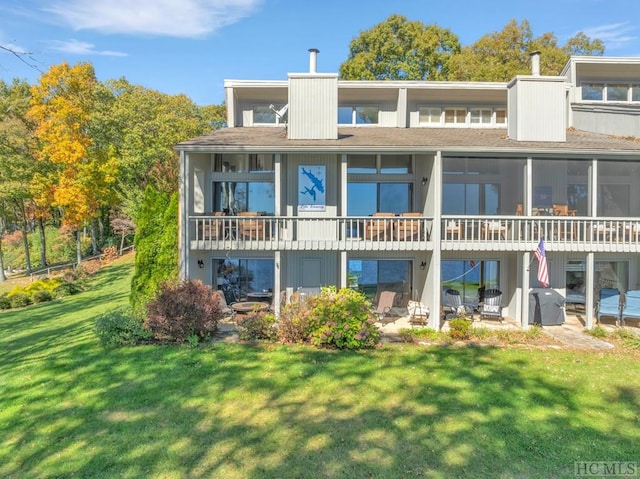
{"x": 277, "y": 120}
{"x": 355, "y": 107}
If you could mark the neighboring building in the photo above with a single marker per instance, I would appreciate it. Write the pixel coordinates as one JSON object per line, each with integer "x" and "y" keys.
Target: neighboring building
{"x": 486, "y": 169}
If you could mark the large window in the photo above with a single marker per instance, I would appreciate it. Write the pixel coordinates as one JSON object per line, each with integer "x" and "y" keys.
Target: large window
{"x": 612, "y": 92}
{"x": 560, "y": 182}
{"x": 358, "y": 115}
{"x": 470, "y": 278}
{"x": 233, "y": 197}
{"x": 364, "y": 198}
{"x": 373, "y": 276}
{"x": 616, "y": 197}
{"x": 239, "y": 276}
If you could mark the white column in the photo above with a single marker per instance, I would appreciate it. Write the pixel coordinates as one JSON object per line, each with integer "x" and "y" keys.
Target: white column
{"x": 183, "y": 218}
{"x": 589, "y": 299}
{"x": 276, "y": 283}
{"x": 524, "y": 310}
{"x": 434, "y": 273}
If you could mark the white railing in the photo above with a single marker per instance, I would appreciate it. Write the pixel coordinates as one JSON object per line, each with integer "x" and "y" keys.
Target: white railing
{"x": 273, "y": 232}
{"x": 566, "y": 233}
{"x": 511, "y": 233}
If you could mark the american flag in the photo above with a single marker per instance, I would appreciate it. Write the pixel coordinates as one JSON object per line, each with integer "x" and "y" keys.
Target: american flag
{"x": 543, "y": 273}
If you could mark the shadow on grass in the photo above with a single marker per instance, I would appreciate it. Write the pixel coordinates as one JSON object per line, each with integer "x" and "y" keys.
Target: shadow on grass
{"x": 224, "y": 410}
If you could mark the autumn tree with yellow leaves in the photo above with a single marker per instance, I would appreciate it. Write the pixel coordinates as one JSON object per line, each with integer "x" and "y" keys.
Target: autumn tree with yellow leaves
{"x": 63, "y": 106}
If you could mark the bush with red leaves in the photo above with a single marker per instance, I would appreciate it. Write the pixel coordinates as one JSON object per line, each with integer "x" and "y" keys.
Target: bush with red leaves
{"x": 182, "y": 311}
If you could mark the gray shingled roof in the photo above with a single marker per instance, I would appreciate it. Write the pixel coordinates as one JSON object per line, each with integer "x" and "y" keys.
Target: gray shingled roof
{"x": 409, "y": 139}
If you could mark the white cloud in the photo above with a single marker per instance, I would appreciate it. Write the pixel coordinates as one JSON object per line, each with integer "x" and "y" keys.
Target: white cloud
{"x": 614, "y": 35}
{"x": 174, "y": 18}
{"x": 77, "y": 47}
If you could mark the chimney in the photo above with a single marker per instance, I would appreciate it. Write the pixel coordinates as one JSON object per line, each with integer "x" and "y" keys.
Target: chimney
{"x": 535, "y": 63}
{"x": 313, "y": 60}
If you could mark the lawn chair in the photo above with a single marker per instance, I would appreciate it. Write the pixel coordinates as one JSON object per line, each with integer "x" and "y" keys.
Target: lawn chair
{"x": 631, "y": 308}
{"x": 608, "y": 304}
{"x": 226, "y": 311}
{"x": 492, "y": 305}
{"x": 452, "y": 304}
{"x": 385, "y": 303}
{"x": 418, "y": 311}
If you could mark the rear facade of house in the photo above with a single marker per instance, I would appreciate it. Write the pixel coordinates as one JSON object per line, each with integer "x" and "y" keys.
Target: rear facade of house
{"x": 417, "y": 186}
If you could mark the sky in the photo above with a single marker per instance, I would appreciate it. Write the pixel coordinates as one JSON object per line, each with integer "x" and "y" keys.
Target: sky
{"x": 192, "y": 46}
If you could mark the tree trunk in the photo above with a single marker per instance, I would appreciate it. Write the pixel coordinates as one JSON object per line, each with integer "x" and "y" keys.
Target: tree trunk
{"x": 122, "y": 243}
{"x": 3, "y": 277}
{"x": 78, "y": 247}
{"x": 94, "y": 238}
{"x": 24, "y": 227}
{"x": 43, "y": 243}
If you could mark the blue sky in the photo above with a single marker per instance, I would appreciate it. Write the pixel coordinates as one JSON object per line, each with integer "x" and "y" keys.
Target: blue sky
{"x": 192, "y": 46}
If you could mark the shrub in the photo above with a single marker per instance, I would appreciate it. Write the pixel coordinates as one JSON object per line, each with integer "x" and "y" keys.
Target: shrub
{"x": 66, "y": 289}
{"x": 41, "y": 296}
{"x": 258, "y": 325}
{"x": 460, "y": 329}
{"x": 47, "y": 284}
{"x": 534, "y": 332}
{"x": 5, "y": 302}
{"x": 294, "y": 325}
{"x": 120, "y": 328}
{"x": 342, "y": 319}
{"x": 19, "y": 300}
{"x": 184, "y": 309}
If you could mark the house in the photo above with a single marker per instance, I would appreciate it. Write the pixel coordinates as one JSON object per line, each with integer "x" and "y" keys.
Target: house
{"x": 410, "y": 186}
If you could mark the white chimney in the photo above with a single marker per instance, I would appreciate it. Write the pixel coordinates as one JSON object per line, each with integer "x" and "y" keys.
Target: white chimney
{"x": 313, "y": 60}
{"x": 535, "y": 63}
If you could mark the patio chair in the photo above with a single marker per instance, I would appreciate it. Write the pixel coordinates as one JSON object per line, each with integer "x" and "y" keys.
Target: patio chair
{"x": 408, "y": 227}
{"x": 608, "y": 304}
{"x": 494, "y": 230}
{"x": 452, "y": 304}
{"x": 251, "y": 228}
{"x": 453, "y": 229}
{"x": 210, "y": 229}
{"x": 385, "y": 303}
{"x": 492, "y": 305}
{"x": 378, "y": 228}
{"x": 631, "y": 308}
{"x": 226, "y": 311}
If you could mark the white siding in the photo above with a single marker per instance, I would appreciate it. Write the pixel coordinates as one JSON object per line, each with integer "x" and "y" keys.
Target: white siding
{"x": 609, "y": 120}
{"x": 539, "y": 113}
{"x": 313, "y": 107}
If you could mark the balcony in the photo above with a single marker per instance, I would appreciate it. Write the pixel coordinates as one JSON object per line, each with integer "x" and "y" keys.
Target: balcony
{"x": 370, "y": 233}
{"x": 398, "y": 233}
{"x": 561, "y": 233}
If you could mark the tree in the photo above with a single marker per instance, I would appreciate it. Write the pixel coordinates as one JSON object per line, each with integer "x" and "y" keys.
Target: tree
{"x": 18, "y": 165}
{"x": 156, "y": 243}
{"x": 500, "y": 56}
{"x": 62, "y": 106}
{"x": 146, "y": 126}
{"x": 397, "y": 49}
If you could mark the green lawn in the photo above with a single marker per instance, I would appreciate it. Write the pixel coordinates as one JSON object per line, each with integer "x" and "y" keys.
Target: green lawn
{"x": 70, "y": 409}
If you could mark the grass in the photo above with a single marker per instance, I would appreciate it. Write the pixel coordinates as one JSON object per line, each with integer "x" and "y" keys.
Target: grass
{"x": 68, "y": 408}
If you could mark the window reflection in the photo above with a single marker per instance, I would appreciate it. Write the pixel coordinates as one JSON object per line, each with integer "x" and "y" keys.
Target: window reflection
{"x": 233, "y": 197}
{"x": 238, "y": 276}
{"x": 374, "y": 276}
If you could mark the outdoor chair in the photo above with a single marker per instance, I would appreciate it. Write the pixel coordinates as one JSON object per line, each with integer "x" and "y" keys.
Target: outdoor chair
{"x": 494, "y": 230}
{"x": 407, "y": 227}
{"x": 378, "y": 228}
{"x": 608, "y": 304}
{"x": 631, "y": 308}
{"x": 226, "y": 311}
{"x": 453, "y": 229}
{"x": 251, "y": 228}
{"x": 453, "y": 306}
{"x": 210, "y": 229}
{"x": 492, "y": 305}
{"x": 385, "y": 303}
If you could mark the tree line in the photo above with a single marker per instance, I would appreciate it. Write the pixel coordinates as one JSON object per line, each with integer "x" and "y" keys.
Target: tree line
{"x": 80, "y": 154}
